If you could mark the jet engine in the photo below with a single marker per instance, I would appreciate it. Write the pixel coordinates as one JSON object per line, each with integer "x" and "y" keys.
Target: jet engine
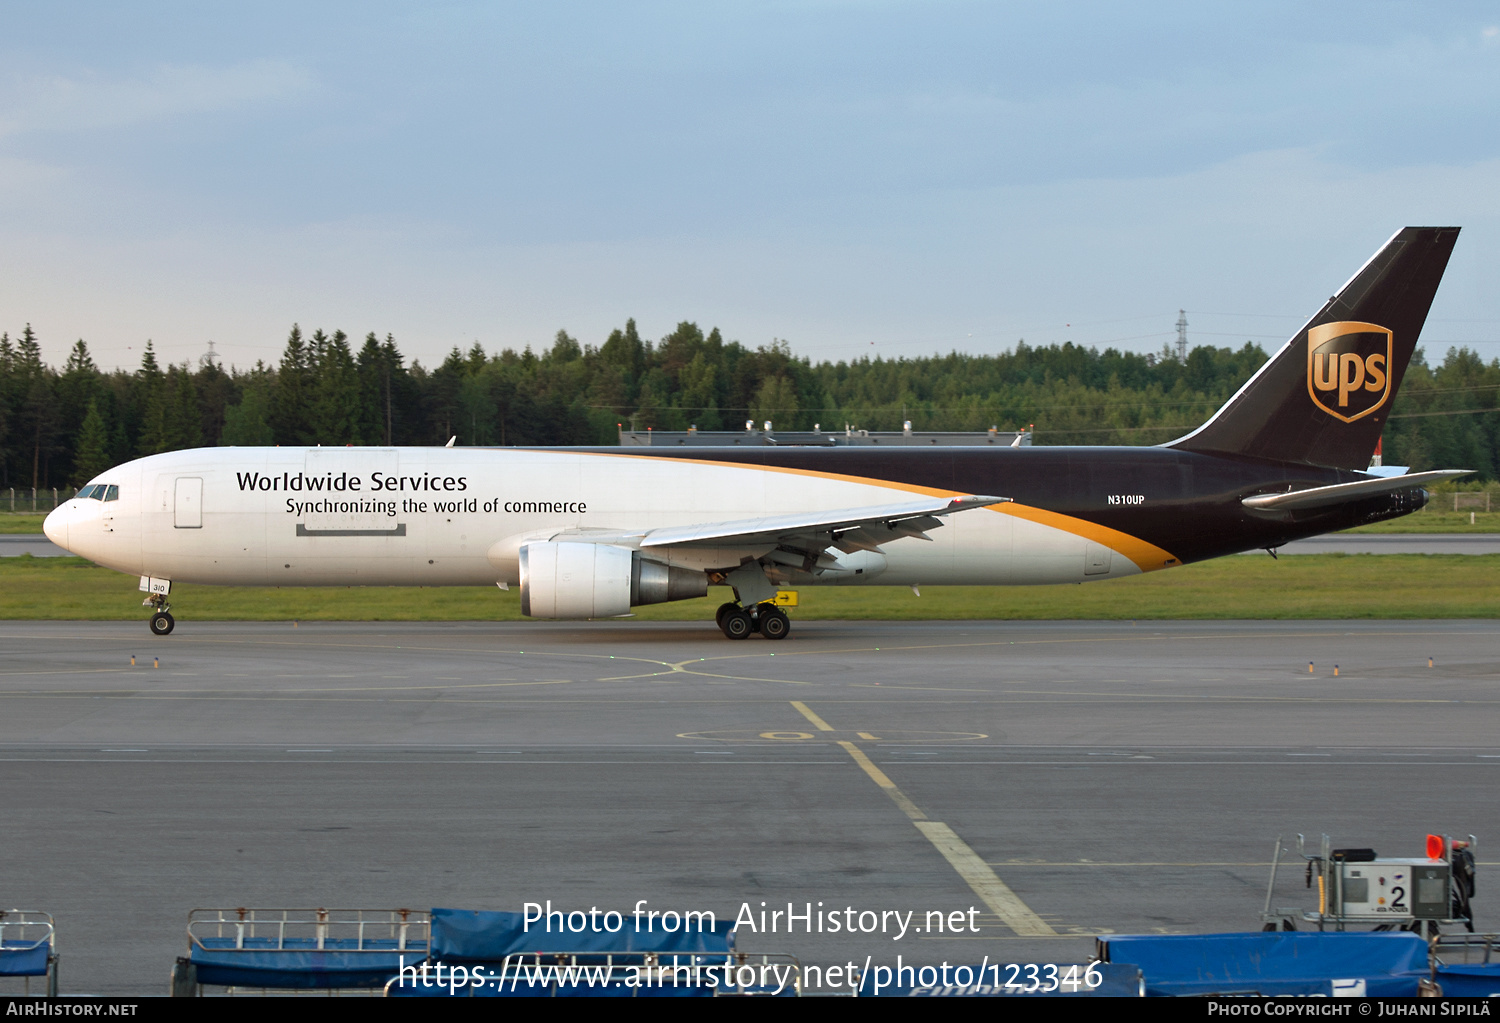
{"x": 593, "y": 580}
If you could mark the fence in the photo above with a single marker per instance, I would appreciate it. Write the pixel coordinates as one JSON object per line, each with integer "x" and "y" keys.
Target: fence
{"x": 34, "y": 499}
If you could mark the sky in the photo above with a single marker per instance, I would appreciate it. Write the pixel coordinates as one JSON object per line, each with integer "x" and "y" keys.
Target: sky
{"x": 857, "y": 178}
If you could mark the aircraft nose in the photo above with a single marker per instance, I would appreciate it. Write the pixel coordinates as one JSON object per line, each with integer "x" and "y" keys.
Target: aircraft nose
{"x": 55, "y": 525}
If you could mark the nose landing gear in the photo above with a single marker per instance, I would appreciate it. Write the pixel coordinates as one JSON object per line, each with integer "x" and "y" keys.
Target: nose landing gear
{"x": 162, "y": 622}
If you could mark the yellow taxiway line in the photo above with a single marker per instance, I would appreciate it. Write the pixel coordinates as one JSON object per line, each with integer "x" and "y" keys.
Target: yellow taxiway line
{"x": 979, "y": 876}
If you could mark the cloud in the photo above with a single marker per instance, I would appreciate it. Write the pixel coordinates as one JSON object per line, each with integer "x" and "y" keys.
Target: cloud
{"x": 56, "y": 103}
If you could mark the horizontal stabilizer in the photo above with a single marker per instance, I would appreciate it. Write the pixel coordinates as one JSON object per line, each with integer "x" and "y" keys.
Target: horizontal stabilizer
{"x": 1318, "y": 497}
{"x": 775, "y": 529}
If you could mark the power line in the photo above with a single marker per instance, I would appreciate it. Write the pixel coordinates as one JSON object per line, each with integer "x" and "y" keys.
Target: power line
{"x": 1449, "y": 412}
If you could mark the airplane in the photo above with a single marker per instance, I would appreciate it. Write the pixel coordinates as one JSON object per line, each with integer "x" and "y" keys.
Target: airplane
{"x": 593, "y": 532}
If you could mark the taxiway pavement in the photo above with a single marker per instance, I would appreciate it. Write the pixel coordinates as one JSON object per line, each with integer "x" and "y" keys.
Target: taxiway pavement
{"x": 1064, "y": 779}
{"x": 36, "y": 544}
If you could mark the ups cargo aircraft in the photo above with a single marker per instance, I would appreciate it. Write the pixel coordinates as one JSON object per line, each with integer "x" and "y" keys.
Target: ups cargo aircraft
{"x": 593, "y": 532}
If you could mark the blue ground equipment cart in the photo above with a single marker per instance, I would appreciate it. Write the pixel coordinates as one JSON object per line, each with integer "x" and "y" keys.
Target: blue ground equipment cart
{"x": 28, "y": 949}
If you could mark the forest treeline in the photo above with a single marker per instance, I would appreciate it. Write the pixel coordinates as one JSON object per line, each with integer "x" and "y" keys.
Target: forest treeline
{"x": 60, "y": 426}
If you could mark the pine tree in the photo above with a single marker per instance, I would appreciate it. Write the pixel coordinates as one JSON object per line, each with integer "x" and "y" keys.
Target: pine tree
{"x": 374, "y": 389}
{"x": 777, "y": 401}
{"x": 476, "y": 410}
{"x": 152, "y": 399}
{"x": 80, "y": 363}
{"x": 7, "y": 405}
{"x": 91, "y": 455}
{"x": 248, "y": 424}
{"x": 290, "y": 403}
{"x": 336, "y": 414}
{"x": 245, "y": 424}
{"x": 625, "y": 350}
{"x": 442, "y": 397}
{"x": 183, "y": 421}
{"x": 403, "y": 396}
{"x": 700, "y": 393}
{"x": 78, "y": 386}
{"x": 216, "y": 391}
{"x": 38, "y": 414}
{"x": 150, "y": 372}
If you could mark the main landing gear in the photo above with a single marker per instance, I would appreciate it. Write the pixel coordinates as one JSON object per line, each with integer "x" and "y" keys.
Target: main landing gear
{"x": 740, "y": 623}
{"x": 162, "y": 622}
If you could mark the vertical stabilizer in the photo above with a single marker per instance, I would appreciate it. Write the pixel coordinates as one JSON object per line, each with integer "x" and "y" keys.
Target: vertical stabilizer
{"x": 1325, "y": 396}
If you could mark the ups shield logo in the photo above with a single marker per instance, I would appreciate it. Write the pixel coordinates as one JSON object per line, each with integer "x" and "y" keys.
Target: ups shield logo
{"x": 1348, "y": 368}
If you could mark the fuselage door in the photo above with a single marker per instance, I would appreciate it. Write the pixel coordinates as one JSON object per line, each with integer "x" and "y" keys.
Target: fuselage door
{"x": 189, "y": 507}
{"x": 1096, "y": 559}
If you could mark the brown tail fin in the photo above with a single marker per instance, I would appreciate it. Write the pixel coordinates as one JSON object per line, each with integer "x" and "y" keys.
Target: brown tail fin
{"x": 1325, "y": 396}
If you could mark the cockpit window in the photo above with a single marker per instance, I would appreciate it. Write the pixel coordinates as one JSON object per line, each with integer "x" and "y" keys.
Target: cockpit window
{"x": 111, "y": 493}
{"x": 99, "y": 492}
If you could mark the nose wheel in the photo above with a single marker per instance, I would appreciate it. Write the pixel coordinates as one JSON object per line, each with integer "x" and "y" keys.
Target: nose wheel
{"x": 162, "y": 622}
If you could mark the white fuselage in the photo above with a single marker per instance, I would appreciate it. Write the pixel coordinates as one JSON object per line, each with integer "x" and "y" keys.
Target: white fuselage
{"x": 457, "y": 516}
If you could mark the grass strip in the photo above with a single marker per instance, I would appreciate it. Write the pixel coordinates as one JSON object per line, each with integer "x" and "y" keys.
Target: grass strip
{"x": 1307, "y": 586}
{"x": 19, "y": 523}
{"x": 1433, "y": 519}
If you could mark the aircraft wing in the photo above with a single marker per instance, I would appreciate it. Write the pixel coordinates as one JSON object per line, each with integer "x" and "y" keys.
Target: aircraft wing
{"x": 1317, "y": 497}
{"x": 848, "y": 529}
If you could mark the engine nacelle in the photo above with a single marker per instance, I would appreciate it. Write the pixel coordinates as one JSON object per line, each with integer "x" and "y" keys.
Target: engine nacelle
{"x": 575, "y": 580}
{"x": 594, "y": 580}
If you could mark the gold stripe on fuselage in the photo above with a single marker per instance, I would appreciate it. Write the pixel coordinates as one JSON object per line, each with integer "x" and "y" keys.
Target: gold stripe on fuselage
{"x": 1145, "y": 555}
